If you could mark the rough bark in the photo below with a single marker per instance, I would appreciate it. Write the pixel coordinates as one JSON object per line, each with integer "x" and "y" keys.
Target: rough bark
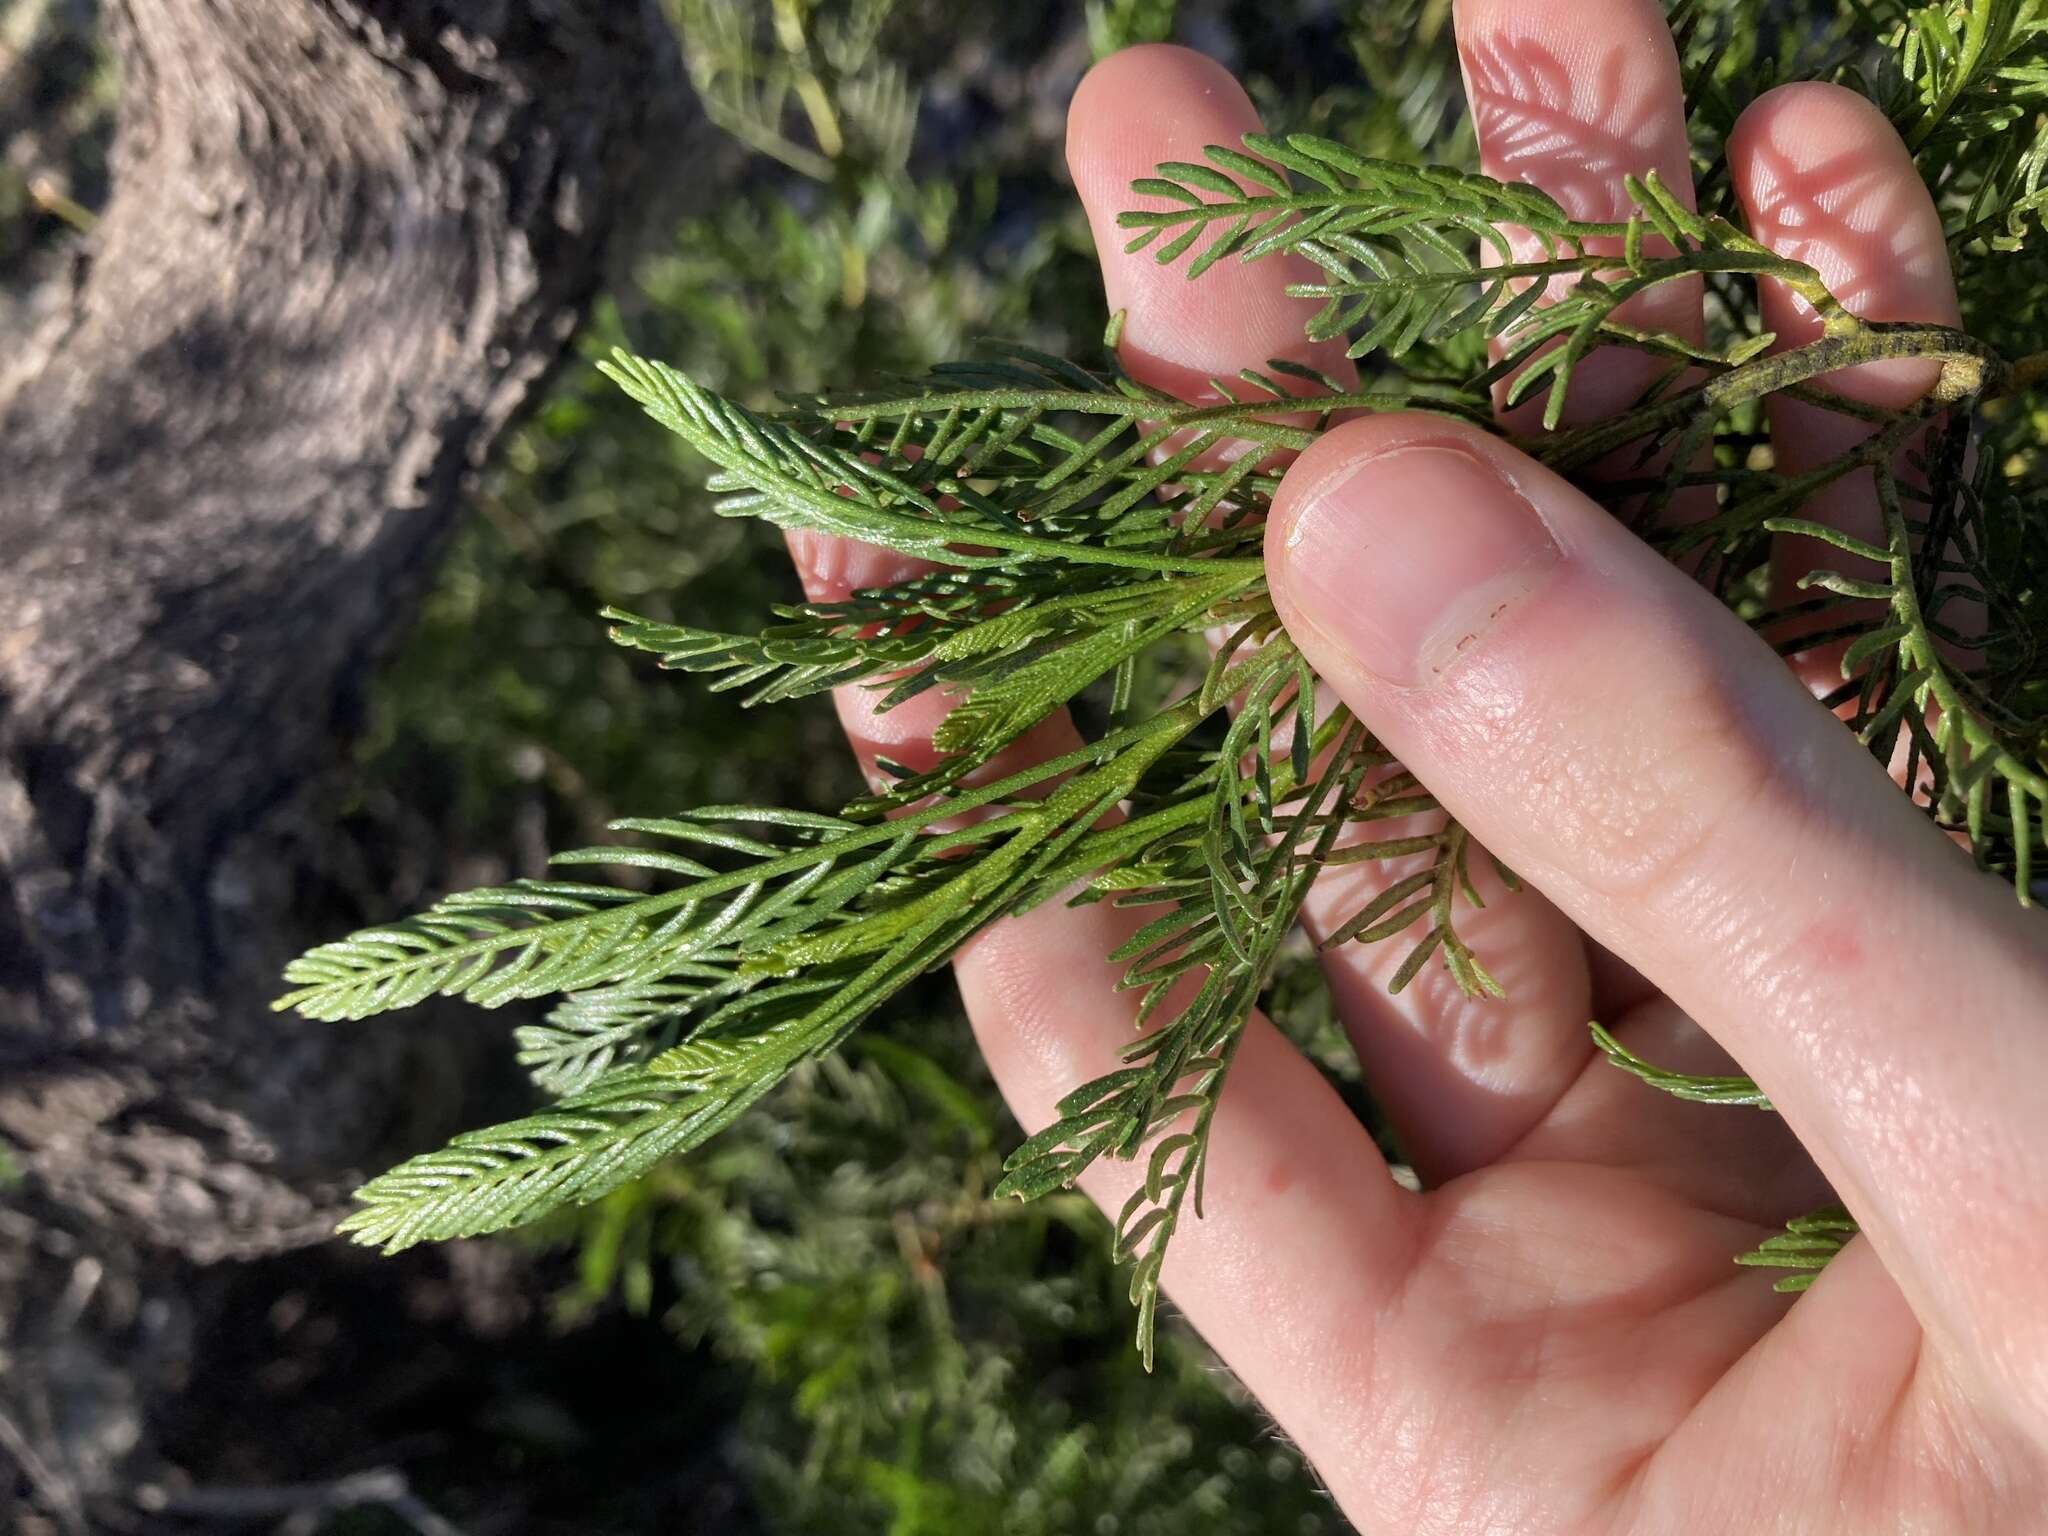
{"x": 344, "y": 242}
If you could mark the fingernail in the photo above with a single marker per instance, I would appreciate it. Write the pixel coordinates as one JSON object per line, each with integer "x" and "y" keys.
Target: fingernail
{"x": 1407, "y": 559}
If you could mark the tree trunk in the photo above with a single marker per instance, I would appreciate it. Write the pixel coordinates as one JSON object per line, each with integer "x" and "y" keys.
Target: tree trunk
{"x": 345, "y": 239}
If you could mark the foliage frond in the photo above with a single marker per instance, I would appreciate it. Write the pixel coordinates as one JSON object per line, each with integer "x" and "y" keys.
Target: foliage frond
{"x": 588, "y": 1033}
{"x": 1416, "y": 255}
{"x": 1429, "y": 896}
{"x": 1970, "y": 744}
{"x": 1231, "y": 902}
{"x": 1730, "y": 1089}
{"x": 591, "y": 1142}
{"x": 1805, "y": 1247}
{"x": 1969, "y": 71}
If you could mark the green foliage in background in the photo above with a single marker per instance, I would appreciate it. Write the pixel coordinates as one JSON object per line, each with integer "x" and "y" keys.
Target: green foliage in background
{"x": 920, "y": 1356}
{"x": 57, "y": 93}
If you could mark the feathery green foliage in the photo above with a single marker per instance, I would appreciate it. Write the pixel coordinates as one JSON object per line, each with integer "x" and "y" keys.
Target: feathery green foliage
{"x": 1729, "y": 1089}
{"x": 1805, "y": 1246}
{"x": 1082, "y": 524}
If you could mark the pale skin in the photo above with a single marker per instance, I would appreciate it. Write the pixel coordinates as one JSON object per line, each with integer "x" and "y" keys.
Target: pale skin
{"x": 1550, "y": 1337}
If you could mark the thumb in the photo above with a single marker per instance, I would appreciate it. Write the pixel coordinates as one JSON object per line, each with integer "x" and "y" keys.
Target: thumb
{"x": 1630, "y": 748}
{"x": 1591, "y": 715}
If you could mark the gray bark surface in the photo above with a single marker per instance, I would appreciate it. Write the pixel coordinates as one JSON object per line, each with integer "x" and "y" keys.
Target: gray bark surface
{"x": 344, "y": 242}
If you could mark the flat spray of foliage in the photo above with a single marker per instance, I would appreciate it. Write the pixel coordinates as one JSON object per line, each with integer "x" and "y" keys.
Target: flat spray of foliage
{"x": 1087, "y": 525}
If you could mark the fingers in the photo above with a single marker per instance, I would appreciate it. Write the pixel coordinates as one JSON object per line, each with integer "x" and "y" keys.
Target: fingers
{"x": 1735, "y": 1162}
{"x": 1823, "y": 178}
{"x": 1572, "y": 96}
{"x": 1708, "y": 822}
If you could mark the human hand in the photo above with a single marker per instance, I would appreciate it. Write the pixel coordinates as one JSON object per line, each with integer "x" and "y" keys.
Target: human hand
{"x": 1550, "y": 1337}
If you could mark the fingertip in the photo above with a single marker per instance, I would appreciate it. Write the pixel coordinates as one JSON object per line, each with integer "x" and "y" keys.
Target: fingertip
{"x": 1337, "y": 455}
{"x": 1574, "y": 24}
{"x": 1138, "y": 107}
{"x": 1825, "y": 179}
{"x": 1182, "y": 93}
{"x": 1132, "y": 111}
{"x": 1572, "y": 95}
{"x": 1395, "y": 554}
{"x": 1808, "y": 124}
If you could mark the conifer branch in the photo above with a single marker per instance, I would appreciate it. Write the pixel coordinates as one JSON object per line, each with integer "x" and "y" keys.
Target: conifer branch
{"x": 1080, "y": 521}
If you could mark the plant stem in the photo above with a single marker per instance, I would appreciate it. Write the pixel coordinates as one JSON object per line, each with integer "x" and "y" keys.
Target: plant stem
{"x": 1970, "y": 368}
